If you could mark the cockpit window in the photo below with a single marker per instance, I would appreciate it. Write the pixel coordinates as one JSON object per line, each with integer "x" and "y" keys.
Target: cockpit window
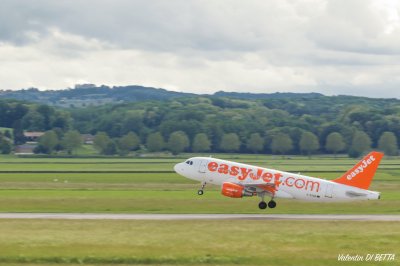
{"x": 189, "y": 162}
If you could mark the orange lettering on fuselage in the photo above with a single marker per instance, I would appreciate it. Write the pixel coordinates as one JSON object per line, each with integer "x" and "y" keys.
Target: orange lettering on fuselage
{"x": 256, "y": 176}
{"x": 212, "y": 167}
{"x": 277, "y": 176}
{"x": 241, "y": 173}
{"x": 234, "y": 171}
{"x": 245, "y": 172}
{"x": 301, "y": 183}
{"x": 223, "y": 169}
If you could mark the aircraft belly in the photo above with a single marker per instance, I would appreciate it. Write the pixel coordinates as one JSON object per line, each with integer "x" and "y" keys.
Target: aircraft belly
{"x": 283, "y": 194}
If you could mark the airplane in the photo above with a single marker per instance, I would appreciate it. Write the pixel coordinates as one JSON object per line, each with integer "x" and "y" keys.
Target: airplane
{"x": 239, "y": 180}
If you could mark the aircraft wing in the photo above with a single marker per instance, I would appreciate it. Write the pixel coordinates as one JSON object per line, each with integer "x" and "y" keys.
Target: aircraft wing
{"x": 270, "y": 188}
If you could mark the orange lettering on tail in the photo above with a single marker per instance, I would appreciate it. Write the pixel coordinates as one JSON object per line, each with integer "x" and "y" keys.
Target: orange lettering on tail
{"x": 362, "y": 173}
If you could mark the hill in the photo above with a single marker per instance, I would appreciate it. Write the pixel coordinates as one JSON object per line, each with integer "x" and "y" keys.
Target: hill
{"x": 276, "y": 95}
{"x": 223, "y": 122}
{"x": 91, "y": 95}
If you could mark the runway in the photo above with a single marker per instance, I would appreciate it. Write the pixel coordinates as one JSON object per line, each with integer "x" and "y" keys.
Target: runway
{"x": 166, "y": 217}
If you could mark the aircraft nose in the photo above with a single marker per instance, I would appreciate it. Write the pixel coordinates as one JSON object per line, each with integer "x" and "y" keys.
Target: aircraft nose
{"x": 178, "y": 168}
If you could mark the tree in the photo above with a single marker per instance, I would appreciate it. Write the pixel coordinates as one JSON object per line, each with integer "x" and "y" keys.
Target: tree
{"x": 48, "y": 141}
{"x": 101, "y": 142}
{"x": 388, "y": 143}
{"x": 281, "y": 144}
{"x": 230, "y": 142}
{"x": 18, "y": 112}
{"x": 335, "y": 143}
{"x": 178, "y": 142}
{"x": 71, "y": 141}
{"x": 33, "y": 121}
{"x": 8, "y": 134}
{"x": 47, "y": 114}
{"x": 5, "y": 146}
{"x": 132, "y": 122}
{"x": 201, "y": 143}
{"x": 308, "y": 143}
{"x": 18, "y": 133}
{"x": 110, "y": 149}
{"x": 155, "y": 142}
{"x": 360, "y": 143}
{"x": 255, "y": 143}
{"x": 129, "y": 142}
{"x": 62, "y": 120}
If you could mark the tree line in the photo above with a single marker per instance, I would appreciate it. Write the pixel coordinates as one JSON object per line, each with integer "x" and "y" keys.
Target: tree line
{"x": 179, "y": 142}
{"x": 310, "y": 125}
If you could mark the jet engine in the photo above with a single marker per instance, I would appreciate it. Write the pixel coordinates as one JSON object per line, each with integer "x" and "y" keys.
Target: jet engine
{"x": 234, "y": 190}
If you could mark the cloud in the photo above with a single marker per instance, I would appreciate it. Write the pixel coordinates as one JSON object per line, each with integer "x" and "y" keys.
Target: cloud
{"x": 356, "y": 26}
{"x": 333, "y": 47}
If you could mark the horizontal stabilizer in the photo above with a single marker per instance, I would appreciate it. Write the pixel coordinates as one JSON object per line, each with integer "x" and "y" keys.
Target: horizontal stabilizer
{"x": 354, "y": 194}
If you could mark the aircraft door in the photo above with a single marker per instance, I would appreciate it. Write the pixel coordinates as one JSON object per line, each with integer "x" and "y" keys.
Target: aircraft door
{"x": 203, "y": 166}
{"x": 329, "y": 191}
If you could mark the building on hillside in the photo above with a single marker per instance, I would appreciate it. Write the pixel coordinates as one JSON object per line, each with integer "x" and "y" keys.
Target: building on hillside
{"x": 87, "y": 138}
{"x": 85, "y": 86}
{"x": 33, "y": 136}
{"x": 24, "y": 149}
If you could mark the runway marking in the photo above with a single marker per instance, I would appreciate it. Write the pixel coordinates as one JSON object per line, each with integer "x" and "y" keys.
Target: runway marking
{"x": 101, "y": 216}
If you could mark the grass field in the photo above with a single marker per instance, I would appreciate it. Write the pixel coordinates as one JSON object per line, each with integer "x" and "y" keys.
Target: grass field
{"x": 149, "y": 185}
{"x": 194, "y": 243}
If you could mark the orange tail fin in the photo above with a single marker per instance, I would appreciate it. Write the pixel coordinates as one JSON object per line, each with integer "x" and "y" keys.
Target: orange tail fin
{"x": 362, "y": 173}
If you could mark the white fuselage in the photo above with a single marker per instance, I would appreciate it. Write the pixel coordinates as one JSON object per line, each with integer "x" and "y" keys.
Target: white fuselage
{"x": 278, "y": 184}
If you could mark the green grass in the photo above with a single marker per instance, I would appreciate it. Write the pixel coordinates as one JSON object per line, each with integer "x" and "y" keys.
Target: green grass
{"x": 145, "y": 185}
{"x": 183, "y": 200}
{"x": 97, "y": 185}
{"x": 86, "y": 150}
{"x": 223, "y": 242}
{"x": 136, "y": 164}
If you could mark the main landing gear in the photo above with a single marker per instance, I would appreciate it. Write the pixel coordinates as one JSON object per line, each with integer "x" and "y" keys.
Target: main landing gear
{"x": 263, "y": 205}
{"x": 201, "y": 191}
{"x": 271, "y": 204}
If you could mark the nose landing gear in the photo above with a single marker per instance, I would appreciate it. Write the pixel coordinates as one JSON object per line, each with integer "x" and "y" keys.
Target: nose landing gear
{"x": 201, "y": 191}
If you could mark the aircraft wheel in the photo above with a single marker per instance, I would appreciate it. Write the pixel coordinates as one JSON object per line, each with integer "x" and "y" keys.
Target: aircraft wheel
{"x": 271, "y": 204}
{"x": 200, "y": 192}
{"x": 262, "y": 205}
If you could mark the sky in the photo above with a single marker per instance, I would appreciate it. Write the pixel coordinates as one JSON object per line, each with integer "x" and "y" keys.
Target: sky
{"x": 333, "y": 47}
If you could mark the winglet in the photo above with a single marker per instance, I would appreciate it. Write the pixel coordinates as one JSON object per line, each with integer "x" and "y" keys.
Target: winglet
{"x": 362, "y": 173}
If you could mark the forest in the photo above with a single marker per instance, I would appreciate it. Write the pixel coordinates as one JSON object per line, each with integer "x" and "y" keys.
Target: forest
{"x": 289, "y": 124}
